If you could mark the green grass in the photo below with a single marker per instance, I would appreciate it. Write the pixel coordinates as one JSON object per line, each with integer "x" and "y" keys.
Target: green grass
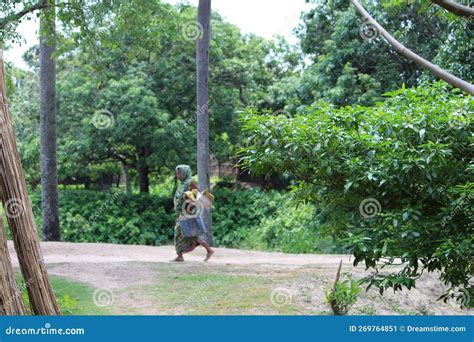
{"x": 74, "y": 298}
{"x": 217, "y": 294}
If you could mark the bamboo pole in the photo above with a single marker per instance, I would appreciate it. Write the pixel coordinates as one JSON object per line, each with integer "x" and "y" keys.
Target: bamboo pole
{"x": 10, "y": 296}
{"x": 20, "y": 214}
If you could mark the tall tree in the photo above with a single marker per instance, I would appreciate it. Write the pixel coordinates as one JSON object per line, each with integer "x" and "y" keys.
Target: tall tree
{"x": 48, "y": 161}
{"x": 202, "y": 59}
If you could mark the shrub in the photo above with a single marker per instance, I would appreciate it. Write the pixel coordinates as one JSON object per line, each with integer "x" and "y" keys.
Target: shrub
{"x": 293, "y": 229}
{"x": 395, "y": 179}
{"x": 237, "y": 214}
{"x": 343, "y": 295}
{"x": 113, "y": 217}
{"x": 241, "y": 219}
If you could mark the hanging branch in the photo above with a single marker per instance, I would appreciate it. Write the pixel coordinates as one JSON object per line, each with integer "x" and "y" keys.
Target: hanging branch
{"x": 433, "y": 68}
{"x": 17, "y": 16}
{"x": 454, "y": 7}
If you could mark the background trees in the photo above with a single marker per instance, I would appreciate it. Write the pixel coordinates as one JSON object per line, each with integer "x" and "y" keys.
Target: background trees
{"x": 326, "y": 117}
{"x": 351, "y": 63}
{"x": 125, "y": 97}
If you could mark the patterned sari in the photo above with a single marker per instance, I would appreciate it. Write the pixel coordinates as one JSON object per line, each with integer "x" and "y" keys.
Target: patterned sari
{"x": 182, "y": 244}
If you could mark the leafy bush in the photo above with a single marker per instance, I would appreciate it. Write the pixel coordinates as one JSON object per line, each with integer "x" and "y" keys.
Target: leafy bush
{"x": 395, "y": 180}
{"x": 293, "y": 229}
{"x": 237, "y": 214}
{"x": 113, "y": 217}
{"x": 343, "y": 295}
{"x": 241, "y": 218}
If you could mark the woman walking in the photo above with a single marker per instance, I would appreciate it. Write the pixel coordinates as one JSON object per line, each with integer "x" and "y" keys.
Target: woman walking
{"x": 182, "y": 244}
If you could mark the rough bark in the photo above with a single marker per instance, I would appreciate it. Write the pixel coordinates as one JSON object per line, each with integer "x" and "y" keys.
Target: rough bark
{"x": 48, "y": 160}
{"x": 11, "y": 303}
{"x": 202, "y": 70}
{"x": 144, "y": 171}
{"x": 436, "y": 70}
{"x": 20, "y": 215}
{"x": 128, "y": 182}
{"x": 454, "y": 7}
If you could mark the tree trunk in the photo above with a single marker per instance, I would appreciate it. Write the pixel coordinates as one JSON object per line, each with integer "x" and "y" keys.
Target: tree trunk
{"x": 11, "y": 303}
{"x": 20, "y": 215}
{"x": 203, "y": 156}
{"x": 128, "y": 183}
{"x": 144, "y": 171}
{"x": 48, "y": 161}
{"x": 436, "y": 70}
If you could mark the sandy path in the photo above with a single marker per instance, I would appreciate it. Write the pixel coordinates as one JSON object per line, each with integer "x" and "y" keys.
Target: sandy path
{"x": 60, "y": 252}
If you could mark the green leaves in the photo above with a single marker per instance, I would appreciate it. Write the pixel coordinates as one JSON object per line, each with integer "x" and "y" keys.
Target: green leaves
{"x": 404, "y": 152}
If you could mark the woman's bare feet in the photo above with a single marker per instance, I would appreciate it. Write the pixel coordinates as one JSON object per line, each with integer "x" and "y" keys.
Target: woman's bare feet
{"x": 209, "y": 254}
{"x": 179, "y": 259}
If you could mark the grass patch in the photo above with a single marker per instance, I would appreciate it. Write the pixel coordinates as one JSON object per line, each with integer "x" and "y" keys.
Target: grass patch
{"x": 216, "y": 294}
{"x": 74, "y": 298}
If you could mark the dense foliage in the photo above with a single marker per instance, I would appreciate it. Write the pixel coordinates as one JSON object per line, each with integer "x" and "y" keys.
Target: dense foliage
{"x": 350, "y": 63}
{"x": 242, "y": 218}
{"x": 126, "y": 95}
{"x": 390, "y": 178}
{"x": 395, "y": 180}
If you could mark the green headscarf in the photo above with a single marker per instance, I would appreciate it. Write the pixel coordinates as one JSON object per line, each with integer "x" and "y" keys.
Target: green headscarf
{"x": 186, "y": 174}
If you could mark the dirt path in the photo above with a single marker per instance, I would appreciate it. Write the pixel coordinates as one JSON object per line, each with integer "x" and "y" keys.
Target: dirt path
{"x": 144, "y": 281}
{"x": 60, "y": 252}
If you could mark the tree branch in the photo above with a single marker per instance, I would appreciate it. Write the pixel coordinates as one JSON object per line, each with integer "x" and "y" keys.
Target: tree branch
{"x": 17, "y": 16}
{"x": 454, "y": 7}
{"x": 433, "y": 68}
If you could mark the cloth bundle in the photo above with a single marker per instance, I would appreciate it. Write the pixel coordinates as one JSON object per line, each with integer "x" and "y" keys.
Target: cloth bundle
{"x": 200, "y": 199}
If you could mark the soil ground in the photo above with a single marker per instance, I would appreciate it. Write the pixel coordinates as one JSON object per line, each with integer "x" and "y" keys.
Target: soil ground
{"x": 142, "y": 280}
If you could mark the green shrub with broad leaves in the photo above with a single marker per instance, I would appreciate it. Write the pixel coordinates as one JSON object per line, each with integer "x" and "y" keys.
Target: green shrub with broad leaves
{"x": 293, "y": 229}
{"x": 241, "y": 218}
{"x": 113, "y": 217}
{"x": 343, "y": 295}
{"x": 237, "y": 214}
{"x": 394, "y": 180}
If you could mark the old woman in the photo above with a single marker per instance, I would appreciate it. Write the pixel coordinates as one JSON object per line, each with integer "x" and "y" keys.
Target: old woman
{"x": 182, "y": 244}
